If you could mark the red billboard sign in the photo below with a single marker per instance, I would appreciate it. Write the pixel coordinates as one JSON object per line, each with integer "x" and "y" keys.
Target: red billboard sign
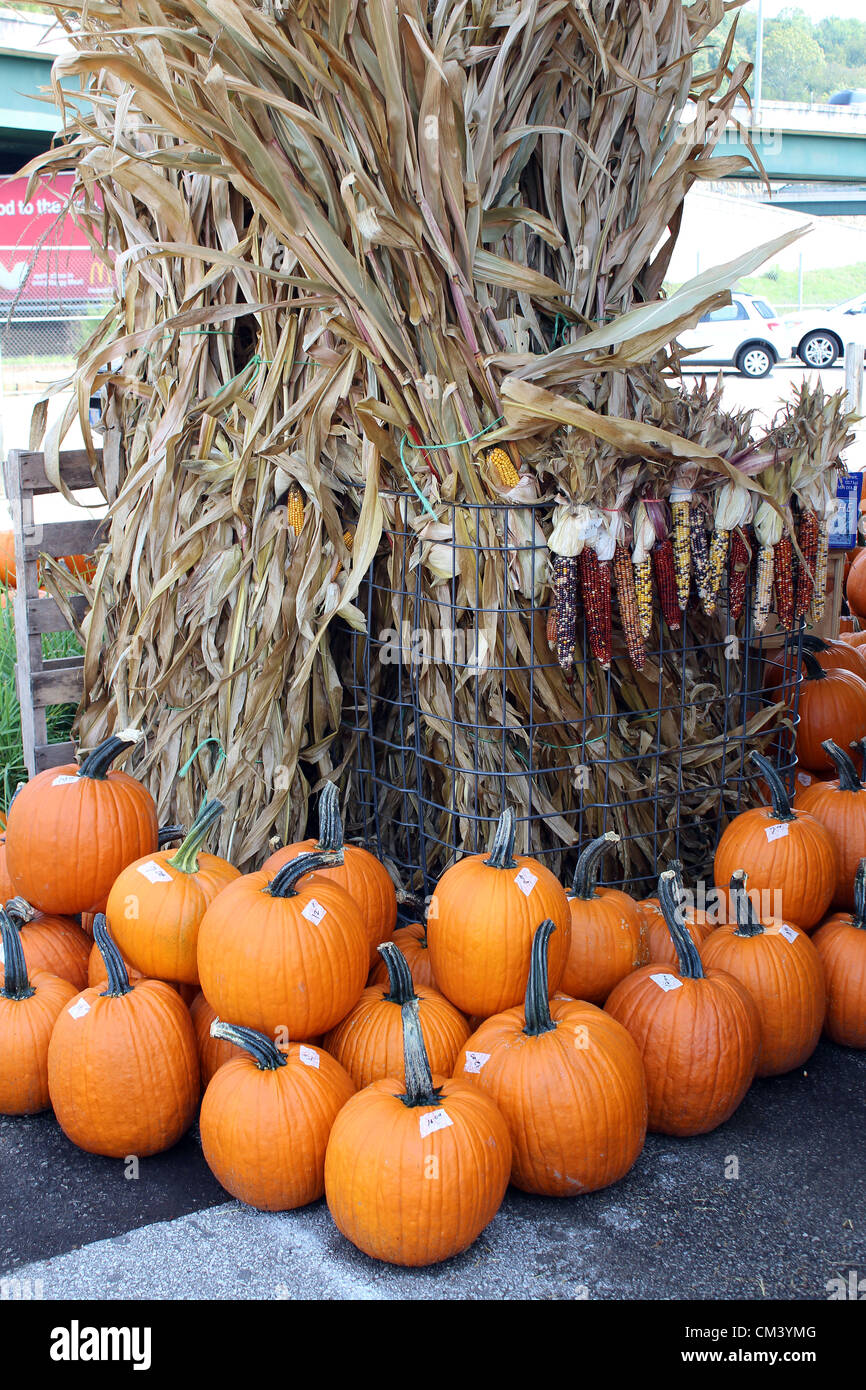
{"x": 45, "y": 257}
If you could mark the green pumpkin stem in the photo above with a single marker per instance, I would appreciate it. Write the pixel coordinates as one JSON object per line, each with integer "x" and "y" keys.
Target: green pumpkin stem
{"x": 16, "y": 985}
{"x": 536, "y": 1009}
{"x": 20, "y": 911}
{"x": 848, "y": 779}
{"x": 186, "y": 858}
{"x": 419, "y": 1079}
{"x": 282, "y": 885}
{"x": 401, "y": 987}
{"x": 330, "y": 839}
{"x": 168, "y": 834}
{"x": 502, "y": 849}
{"x": 588, "y": 864}
{"x": 858, "y": 916}
{"x": 263, "y": 1050}
{"x": 97, "y": 763}
{"x": 748, "y": 921}
{"x": 814, "y": 670}
{"x": 688, "y": 958}
{"x": 118, "y": 977}
{"x": 779, "y": 798}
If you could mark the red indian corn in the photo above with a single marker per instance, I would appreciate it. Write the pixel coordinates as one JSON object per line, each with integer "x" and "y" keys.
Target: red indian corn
{"x": 740, "y": 560}
{"x": 629, "y": 613}
{"x": 595, "y": 580}
{"x": 807, "y": 539}
{"x": 783, "y": 581}
{"x": 666, "y": 583}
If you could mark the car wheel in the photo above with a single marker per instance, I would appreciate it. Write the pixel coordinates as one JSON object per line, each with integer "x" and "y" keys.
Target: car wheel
{"x": 755, "y": 361}
{"x": 818, "y": 350}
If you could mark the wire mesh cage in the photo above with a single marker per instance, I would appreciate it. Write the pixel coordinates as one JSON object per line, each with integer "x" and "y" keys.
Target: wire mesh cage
{"x": 456, "y": 707}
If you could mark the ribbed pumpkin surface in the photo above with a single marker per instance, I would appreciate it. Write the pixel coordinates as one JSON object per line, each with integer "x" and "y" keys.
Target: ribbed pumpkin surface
{"x": 369, "y": 1040}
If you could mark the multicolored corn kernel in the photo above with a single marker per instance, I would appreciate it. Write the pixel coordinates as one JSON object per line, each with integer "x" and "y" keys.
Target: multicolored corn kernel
{"x": 763, "y": 587}
{"x": 822, "y": 561}
{"x": 700, "y": 554}
{"x": 629, "y": 613}
{"x": 666, "y": 583}
{"x": 563, "y": 577}
{"x": 682, "y": 543}
{"x": 643, "y": 587}
{"x": 783, "y": 581}
{"x": 808, "y": 533}
{"x": 739, "y": 565}
{"x": 719, "y": 548}
{"x": 595, "y": 583}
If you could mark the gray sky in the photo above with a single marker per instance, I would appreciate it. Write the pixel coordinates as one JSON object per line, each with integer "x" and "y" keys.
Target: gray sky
{"x": 817, "y": 9}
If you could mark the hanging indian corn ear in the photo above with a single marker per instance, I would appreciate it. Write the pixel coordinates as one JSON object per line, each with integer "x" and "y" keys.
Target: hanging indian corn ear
{"x": 700, "y": 552}
{"x": 681, "y": 513}
{"x": 595, "y": 582}
{"x": 295, "y": 508}
{"x": 641, "y": 558}
{"x": 783, "y": 581}
{"x": 565, "y": 545}
{"x": 768, "y": 533}
{"x": 502, "y": 464}
{"x": 733, "y": 508}
{"x": 739, "y": 564}
{"x": 819, "y": 598}
{"x": 629, "y": 612}
{"x": 349, "y": 538}
{"x": 666, "y": 582}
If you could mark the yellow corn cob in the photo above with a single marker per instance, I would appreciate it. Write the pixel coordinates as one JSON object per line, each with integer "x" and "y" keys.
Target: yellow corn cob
{"x": 700, "y": 555}
{"x": 500, "y": 460}
{"x": 643, "y": 585}
{"x": 349, "y": 539}
{"x": 819, "y": 598}
{"x": 763, "y": 587}
{"x": 295, "y": 508}
{"x": 719, "y": 547}
{"x": 682, "y": 551}
{"x": 629, "y": 615}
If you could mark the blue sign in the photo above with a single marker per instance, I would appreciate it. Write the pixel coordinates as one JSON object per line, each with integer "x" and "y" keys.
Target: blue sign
{"x": 843, "y": 527}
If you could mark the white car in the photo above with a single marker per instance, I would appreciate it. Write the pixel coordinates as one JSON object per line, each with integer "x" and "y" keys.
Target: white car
{"x": 820, "y": 336}
{"x": 746, "y": 334}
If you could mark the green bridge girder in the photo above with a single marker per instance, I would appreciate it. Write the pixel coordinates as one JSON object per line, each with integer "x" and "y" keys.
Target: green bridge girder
{"x": 804, "y": 157}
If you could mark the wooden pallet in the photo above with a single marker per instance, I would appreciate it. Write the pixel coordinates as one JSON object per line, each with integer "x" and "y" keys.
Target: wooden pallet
{"x": 59, "y": 680}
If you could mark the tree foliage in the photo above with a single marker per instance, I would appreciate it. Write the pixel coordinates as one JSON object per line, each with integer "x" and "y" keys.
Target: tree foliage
{"x": 804, "y": 60}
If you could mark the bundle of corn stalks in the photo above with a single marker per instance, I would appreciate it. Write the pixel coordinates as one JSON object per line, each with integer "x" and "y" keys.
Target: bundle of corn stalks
{"x": 359, "y": 249}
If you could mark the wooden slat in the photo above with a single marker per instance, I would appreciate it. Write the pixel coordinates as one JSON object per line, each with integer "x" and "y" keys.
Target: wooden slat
{"x": 54, "y": 755}
{"x": 28, "y": 646}
{"x": 57, "y": 686}
{"x": 74, "y": 470}
{"x": 43, "y": 614}
{"x": 61, "y": 538}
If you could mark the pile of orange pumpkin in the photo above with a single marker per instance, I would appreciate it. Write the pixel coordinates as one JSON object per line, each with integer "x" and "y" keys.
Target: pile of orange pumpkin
{"x": 523, "y": 1034}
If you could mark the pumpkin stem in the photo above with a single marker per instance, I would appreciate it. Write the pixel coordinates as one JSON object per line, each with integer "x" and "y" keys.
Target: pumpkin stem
{"x": 263, "y": 1050}
{"x": 536, "y": 1009}
{"x": 16, "y": 985}
{"x": 748, "y": 921}
{"x": 186, "y": 859}
{"x": 20, "y": 910}
{"x": 282, "y": 885}
{"x": 589, "y": 862}
{"x": 118, "y": 977}
{"x": 419, "y": 1079}
{"x": 330, "y": 823}
{"x": 687, "y": 952}
{"x": 502, "y": 849}
{"x": 848, "y": 779}
{"x": 861, "y": 744}
{"x": 779, "y": 798}
{"x": 401, "y": 987}
{"x": 97, "y": 763}
{"x": 814, "y": 670}
{"x": 812, "y": 643}
{"x": 858, "y": 916}
{"x": 168, "y": 834}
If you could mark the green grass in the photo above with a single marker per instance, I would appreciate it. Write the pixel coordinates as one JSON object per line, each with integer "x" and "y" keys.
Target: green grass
{"x": 821, "y": 288}
{"x": 60, "y": 717}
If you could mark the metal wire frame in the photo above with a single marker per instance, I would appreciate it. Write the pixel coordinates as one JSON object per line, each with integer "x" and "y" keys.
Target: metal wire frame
{"x": 400, "y": 754}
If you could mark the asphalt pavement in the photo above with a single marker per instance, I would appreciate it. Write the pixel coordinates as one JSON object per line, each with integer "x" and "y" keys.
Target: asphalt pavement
{"x": 770, "y": 1206}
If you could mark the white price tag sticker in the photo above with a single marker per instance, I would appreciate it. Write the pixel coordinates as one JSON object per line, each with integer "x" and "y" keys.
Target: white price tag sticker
{"x": 437, "y": 1119}
{"x": 79, "y": 1008}
{"x": 804, "y": 779}
{"x": 475, "y": 1061}
{"x": 313, "y": 911}
{"x": 309, "y": 1056}
{"x": 776, "y": 832}
{"x": 526, "y": 881}
{"x": 64, "y": 781}
{"x": 788, "y": 933}
{"x": 154, "y": 873}
{"x": 667, "y": 982}
{"x": 2, "y": 955}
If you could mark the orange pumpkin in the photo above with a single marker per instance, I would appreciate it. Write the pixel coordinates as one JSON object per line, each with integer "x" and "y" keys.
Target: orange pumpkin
{"x": 122, "y": 1065}
{"x": 55, "y": 945}
{"x": 156, "y": 904}
{"x": 424, "y": 1145}
{"x": 855, "y": 588}
{"x": 832, "y": 705}
{"x": 267, "y": 1116}
{"x": 29, "y": 1008}
{"x": 841, "y": 946}
{"x": 569, "y": 1081}
{"x": 779, "y": 966}
{"x": 274, "y": 953}
{"x": 72, "y": 829}
{"x": 853, "y": 639}
{"x": 840, "y": 806}
{"x": 606, "y": 942}
{"x": 8, "y": 572}
{"x": 7, "y": 889}
{"x": 786, "y": 852}
{"x": 659, "y": 948}
{"x": 412, "y": 941}
{"x": 481, "y": 921}
{"x": 698, "y": 1032}
{"x": 365, "y": 879}
{"x": 779, "y": 673}
{"x": 212, "y": 1051}
{"x": 368, "y": 1042}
